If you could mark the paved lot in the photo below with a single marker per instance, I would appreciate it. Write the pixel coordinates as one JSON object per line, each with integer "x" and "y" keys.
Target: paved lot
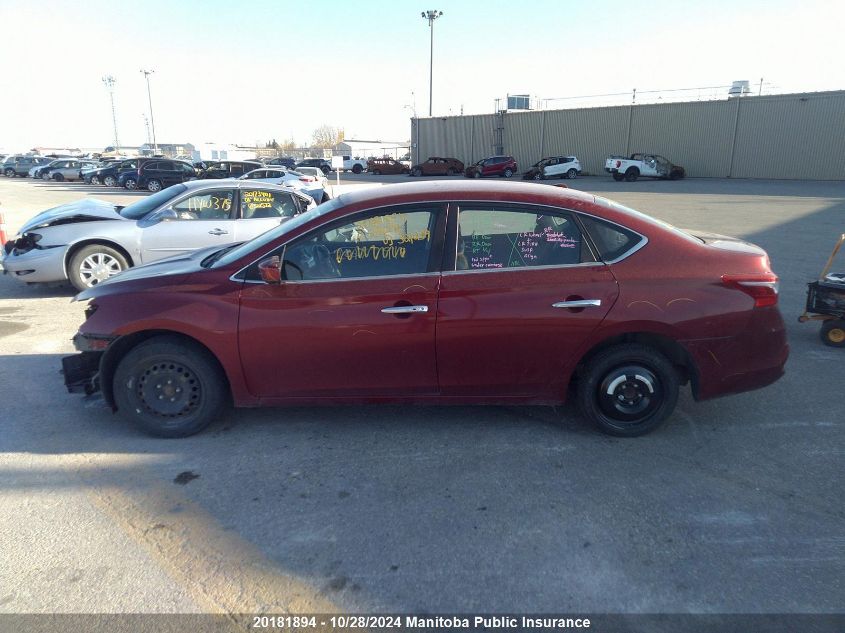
{"x": 734, "y": 506}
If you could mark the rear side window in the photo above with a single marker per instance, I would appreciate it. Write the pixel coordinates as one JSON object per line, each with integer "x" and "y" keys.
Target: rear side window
{"x": 495, "y": 238}
{"x": 611, "y": 240}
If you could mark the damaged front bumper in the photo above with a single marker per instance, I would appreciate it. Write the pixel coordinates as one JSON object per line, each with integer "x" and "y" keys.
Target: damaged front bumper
{"x": 82, "y": 371}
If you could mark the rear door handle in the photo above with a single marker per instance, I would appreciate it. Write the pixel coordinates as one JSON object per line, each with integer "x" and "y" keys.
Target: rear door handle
{"x": 579, "y": 303}
{"x": 218, "y": 232}
{"x": 405, "y": 309}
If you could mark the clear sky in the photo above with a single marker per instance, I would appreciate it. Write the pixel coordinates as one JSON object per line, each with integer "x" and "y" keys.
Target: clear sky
{"x": 240, "y": 72}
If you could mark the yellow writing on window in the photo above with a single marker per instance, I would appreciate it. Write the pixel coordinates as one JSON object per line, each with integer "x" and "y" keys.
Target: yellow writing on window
{"x": 369, "y": 252}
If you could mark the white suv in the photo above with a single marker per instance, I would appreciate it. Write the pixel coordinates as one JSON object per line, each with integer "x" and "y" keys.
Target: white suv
{"x": 554, "y": 167}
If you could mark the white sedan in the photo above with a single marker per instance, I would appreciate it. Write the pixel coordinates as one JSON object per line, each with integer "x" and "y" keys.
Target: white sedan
{"x": 289, "y": 178}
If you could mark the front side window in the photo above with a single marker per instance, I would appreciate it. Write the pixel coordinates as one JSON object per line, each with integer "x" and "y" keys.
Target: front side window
{"x": 513, "y": 238}
{"x": 208, "y": 205}
{"x": 397, "y": 243}
{"x": 258, "y": 203}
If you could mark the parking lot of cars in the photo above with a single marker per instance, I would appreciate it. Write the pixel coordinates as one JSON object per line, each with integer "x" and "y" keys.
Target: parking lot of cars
{"x": 447, "y": 509}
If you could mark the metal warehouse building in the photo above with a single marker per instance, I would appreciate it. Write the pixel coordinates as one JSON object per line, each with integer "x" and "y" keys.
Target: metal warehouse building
{"x": 780, "y": 136}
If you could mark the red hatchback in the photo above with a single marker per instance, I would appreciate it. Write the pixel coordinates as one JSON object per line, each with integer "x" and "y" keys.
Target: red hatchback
{"x": 458, "y": 292}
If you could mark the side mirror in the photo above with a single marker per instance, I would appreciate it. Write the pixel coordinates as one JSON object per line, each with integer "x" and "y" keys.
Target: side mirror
{"x": 270, "y": 270}
{"x": 167, "y": 215}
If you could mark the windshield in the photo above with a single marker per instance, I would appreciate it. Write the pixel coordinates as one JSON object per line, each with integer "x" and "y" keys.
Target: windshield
{"x": 286, "y": 227}
{"x": 141, "y": 208}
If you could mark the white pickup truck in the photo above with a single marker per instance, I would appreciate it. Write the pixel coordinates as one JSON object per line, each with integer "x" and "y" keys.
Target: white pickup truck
{"x": 355, "y": 165}
{"x": 645, "y": 165}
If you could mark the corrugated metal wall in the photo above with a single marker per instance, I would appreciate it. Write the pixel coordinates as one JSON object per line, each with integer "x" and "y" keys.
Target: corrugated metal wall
{"x": 782, "y": 136}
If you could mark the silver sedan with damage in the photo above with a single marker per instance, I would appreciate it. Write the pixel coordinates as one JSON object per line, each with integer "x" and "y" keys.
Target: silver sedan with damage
{"x": 89, "y": 241}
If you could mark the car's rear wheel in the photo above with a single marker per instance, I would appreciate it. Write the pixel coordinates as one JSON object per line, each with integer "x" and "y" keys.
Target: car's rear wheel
{"x": 58, "y": 177}
{"x": 628, "y": 390}
{"x": 109, "y": 181}
{"x": 169, "y": 387}
{"x": 357, "y": 169}
{"x": 618, "y": 177}
{"x": 833, "y": 332}
{"x": 94, "y": 263}
{"x": 154, "y": 185}
{"x": 130, "y": 183}
{"x": 508, "y": 172}
{"x": 632, "y": 174}
{"x": 572, "y": 174}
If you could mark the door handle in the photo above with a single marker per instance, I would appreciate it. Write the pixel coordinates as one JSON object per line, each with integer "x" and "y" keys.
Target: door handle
{"x": 218, "y": 232}
{"x": 405, "y": 309}
{"x": 578, "y": 303}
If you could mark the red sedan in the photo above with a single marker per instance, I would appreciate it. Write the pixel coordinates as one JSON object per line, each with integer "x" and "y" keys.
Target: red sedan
{"x": 458, "y": 292}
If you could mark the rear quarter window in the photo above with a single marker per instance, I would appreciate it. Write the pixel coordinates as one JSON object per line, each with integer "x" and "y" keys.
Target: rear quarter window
{"x": 611, "y": 240}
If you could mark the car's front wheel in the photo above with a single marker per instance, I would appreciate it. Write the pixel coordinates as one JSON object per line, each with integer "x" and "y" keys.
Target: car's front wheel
{"x": 130, "y": 183}
{"x": 95, "y": 180}
{"x": 628, "y": 390}
{"x": 10, "y": 173}
{"x": 94, "y": 263}
{"x": 417, "y": 173}
{"x": 508, "y": 173}
{"x": 45, "y": 176}
{"x": 154, "y": 185}
{"x": 357, "y": 169}
{"x": 169, "y": 387}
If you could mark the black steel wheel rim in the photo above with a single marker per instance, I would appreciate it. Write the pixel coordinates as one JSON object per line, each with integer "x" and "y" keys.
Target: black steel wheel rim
{"x": 629, "y": 394}
{"x": 169, "y": 389}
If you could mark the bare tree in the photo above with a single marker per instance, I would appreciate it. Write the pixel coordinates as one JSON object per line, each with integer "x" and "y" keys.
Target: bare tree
{"x": 289, "y": 145}
{"x": 326, "y": 136}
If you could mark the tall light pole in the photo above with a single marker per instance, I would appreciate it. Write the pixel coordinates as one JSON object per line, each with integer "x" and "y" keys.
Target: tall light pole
{"x": 147, "y": 74}
{"x": 431, "y": 16}
{"x": 108, "y": 82}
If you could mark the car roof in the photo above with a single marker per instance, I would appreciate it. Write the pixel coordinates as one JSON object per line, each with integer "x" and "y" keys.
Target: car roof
{"x": 232, "y": 182}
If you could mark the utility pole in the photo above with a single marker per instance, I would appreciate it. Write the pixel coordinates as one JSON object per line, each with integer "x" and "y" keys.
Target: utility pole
{"x": 431, "y": 16}
{"x": 147, "y": 74}
{"x": 108, "y": 82}
{"x": 760, "y": 93}
{"x": 147, "y": 126}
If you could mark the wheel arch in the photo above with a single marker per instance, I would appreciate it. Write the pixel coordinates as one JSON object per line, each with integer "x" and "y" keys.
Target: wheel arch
{"x": 124, "y": 344}
{"x": 674, "y": 351}
{"x": 76, "y": 246}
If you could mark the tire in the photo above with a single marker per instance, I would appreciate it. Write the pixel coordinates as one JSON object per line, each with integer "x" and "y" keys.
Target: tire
{"x": 95, "y": 180}
{"x": 539, "y": 176}
{"x": 58, "y": 177}
{"x": 130, "y": 183}
{"x": 833, "y": 332}
{"x": 572, "y": 174}
{"x": 632, "y": 174}
{"x": 618, "y": 177}
{"x": 45, "y": 176}
{"x": 169, "y": 387}
{"x": 508, "y": 172}
{"x": 376, "y": 172}
{"x": 10, "y": 173}
{"x": 644, "y": 388}
{"x": 109, "y": 181}
{"x": 94, "y": 263}
{"x": 325, "y": 170}
{"x": 417, "y": 173}
{"x": 357, "y": 169}
{"x": 154, "y": 185}
{"x": 476, "y": 174}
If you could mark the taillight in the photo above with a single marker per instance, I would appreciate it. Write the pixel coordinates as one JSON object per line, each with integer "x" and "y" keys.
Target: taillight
{"x": 762, "y": 287}
{"x": 307, "y": 179}
{"x": 618, "y": 164}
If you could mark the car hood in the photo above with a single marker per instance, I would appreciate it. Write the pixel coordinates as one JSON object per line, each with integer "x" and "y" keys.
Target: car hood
{"x": 165, "y": 271}
{"x": 88, "y": 210}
